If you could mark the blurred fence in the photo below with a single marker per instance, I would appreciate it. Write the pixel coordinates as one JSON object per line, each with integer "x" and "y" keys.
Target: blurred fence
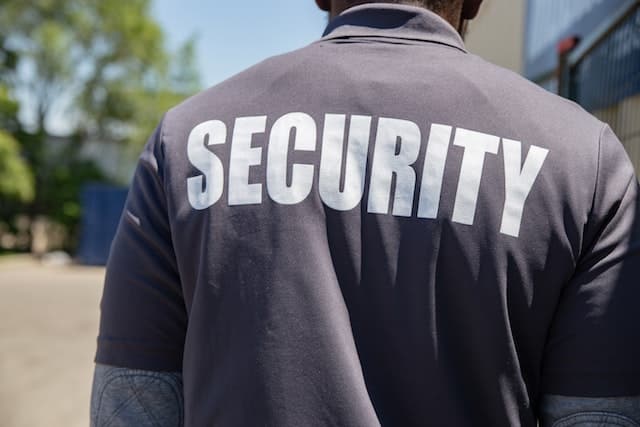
{"x": 549, "y": 21}
{"x": 597, "y": 65}
{"x": 604, "y": 77}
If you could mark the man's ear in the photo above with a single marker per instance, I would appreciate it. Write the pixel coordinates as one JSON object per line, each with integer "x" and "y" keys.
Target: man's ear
{"x": 324, "y": 5}
{"x": 469, "y": 9}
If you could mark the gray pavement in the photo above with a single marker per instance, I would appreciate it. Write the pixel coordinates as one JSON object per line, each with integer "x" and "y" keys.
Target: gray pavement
{"x": 48, "y": 324}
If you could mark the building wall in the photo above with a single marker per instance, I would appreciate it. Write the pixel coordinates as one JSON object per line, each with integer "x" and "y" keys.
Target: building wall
{"x": 497, "y": 34}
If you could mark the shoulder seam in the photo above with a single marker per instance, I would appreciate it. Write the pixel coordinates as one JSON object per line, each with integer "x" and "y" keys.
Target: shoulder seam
{"x": 596, "y": 181}
{"x": 598, "y": 161}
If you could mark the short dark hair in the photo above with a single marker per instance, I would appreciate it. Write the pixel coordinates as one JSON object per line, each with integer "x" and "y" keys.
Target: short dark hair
{"x": 437, "y": 6}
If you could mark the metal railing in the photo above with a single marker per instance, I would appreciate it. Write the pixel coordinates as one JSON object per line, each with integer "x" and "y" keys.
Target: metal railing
{"x": 602, "y": 73}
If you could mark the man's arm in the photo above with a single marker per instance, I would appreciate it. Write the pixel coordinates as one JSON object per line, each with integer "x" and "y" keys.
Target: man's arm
{"x": 593, "y": 347}
{"x": 143, "y": 314}
{"x": 563, "y": 411}
{"x": 128, "y": 397}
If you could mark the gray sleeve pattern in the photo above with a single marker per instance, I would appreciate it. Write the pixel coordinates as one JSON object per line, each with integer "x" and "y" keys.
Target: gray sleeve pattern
{"x": 123, "y": 397}
{"x": 563, "y": 411}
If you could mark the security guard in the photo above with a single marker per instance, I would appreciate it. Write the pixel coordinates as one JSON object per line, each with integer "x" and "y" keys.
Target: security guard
{"x": 377, "y": 229}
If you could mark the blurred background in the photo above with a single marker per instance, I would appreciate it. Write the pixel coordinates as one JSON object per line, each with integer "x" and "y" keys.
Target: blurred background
{"x": 84, "y": 82}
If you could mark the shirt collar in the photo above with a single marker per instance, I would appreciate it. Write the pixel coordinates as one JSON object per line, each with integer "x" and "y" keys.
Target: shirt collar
{"x": 393, "y": 21}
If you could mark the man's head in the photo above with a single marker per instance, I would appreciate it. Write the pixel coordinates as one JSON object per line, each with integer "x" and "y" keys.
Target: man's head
{"x": 457, "y": 12}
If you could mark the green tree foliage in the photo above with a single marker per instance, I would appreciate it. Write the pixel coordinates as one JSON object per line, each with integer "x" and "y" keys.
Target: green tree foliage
{"x": 95, "y": 60}
{"x": 8, "y": 111}
{"x": 148, "y": 103}
{"x": 103, "y": 67}
{"x": 16, "y": 180}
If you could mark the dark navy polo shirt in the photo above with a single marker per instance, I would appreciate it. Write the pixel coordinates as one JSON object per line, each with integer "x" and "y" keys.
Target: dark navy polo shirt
{"x": 379, "y": 228}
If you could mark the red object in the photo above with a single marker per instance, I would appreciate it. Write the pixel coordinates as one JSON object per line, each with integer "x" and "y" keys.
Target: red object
{"x": 567, "y": 45}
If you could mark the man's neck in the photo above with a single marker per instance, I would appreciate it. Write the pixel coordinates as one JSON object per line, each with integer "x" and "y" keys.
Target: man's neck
{"x": 452, "y": 15}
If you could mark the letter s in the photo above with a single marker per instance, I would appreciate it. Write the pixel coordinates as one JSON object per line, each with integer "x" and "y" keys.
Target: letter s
{"x": 204, "y": 194}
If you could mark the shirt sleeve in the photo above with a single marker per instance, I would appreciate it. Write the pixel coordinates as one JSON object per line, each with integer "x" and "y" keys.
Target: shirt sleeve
{"x": 593, "y": 348}
{"x": 143, "y": 317}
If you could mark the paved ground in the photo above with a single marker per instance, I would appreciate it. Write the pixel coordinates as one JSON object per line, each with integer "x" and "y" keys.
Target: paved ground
{"x": 48, "y": 325}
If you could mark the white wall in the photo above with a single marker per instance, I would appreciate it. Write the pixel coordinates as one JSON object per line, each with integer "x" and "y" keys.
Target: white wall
{"x": 497, "y": 34}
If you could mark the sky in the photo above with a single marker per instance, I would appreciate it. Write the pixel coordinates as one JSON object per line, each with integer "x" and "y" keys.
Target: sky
{"x": 233, "y": 35}
{"x": 230, "y": 37}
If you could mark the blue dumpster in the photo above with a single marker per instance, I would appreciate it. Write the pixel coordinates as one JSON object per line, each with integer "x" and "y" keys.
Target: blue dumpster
{"x": 102, "y": 207}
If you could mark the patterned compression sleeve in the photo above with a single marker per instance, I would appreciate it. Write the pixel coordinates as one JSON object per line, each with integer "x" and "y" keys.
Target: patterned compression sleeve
{"x": 563, "y": 411}
{"x": 123, "y": 397}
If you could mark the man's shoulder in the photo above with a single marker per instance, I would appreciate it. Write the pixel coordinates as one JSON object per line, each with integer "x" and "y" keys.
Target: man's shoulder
{"x": 517, "y": 93}
{"x": 273, "y": 85}
{"x": 268, "y": 74}
{"x": 482, "y": 88}
{"x": 522, "y": 109}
